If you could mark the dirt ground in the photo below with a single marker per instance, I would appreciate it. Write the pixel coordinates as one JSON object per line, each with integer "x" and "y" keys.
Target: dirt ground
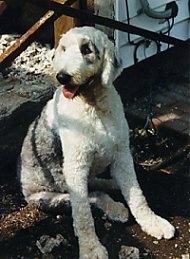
{"x": 167, "y": 194}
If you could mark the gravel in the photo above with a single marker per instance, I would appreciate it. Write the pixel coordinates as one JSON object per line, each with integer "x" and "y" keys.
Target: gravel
{"x": 32, "y": 67}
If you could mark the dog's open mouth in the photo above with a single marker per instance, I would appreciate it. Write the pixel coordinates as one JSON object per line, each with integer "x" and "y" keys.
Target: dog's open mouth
{"x": 69, "y": 91}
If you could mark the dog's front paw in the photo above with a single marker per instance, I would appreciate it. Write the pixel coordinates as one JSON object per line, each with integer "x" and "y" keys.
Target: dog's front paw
{"x": 159, "y": 228}
{"x": 93, "y": 251}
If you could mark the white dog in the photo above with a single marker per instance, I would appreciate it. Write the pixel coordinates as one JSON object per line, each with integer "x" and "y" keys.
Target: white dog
{"x": 80, "y": 132}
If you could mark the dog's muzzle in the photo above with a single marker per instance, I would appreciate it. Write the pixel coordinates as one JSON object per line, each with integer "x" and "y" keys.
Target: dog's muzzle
{"x": 63, "y": 78}
{"x": 69, "y": 90}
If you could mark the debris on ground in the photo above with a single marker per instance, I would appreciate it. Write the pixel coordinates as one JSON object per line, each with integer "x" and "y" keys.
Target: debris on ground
{"x": 31, "y": 73}
{"x": 11, "y": 224}
{"x": 129, "y": 252}
{"x": 46, "y": 243}
{"x": 31, "y": 65}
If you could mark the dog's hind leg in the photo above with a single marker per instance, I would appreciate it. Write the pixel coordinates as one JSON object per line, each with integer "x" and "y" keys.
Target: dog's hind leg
{"x": 114, "y": 210}
{"x": 50, "y": 201}
{"x": 101, "y": 184}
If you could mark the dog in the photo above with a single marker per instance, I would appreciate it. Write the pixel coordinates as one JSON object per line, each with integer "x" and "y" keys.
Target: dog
{"x": 81, "y": 131}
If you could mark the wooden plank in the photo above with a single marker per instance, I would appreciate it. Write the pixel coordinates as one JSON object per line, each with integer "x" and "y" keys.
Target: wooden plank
{"x": 2, "y": 6}
{"x": 21, "y": 44}
{"x": 64, "y": 23}
{"x": 23, "y": 219}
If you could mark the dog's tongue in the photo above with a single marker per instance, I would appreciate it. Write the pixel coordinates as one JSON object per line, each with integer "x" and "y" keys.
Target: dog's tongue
{"x": 69, "y": 91}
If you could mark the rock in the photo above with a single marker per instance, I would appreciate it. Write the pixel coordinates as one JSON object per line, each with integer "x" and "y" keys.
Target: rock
{"x": 46, "y": 243}
{"x": 128, "y": 252}
{"x": 29, "y": 83}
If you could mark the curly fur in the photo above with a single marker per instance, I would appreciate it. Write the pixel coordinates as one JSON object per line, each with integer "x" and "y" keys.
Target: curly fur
{"x": 75, "y": 139}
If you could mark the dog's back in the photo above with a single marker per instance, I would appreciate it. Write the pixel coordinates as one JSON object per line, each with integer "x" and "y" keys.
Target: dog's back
{"x": 41, "y": 158}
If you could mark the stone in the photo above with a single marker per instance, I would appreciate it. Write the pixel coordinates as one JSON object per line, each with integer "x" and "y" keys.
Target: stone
{"x": 129, "y": 252}
{"x": 29, "y": 83}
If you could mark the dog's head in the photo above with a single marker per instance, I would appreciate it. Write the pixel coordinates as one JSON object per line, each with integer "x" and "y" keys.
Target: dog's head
{"x": 85, "y": 54}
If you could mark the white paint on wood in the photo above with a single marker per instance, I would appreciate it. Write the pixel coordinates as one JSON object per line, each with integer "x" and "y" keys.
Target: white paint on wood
{"x": 181, "y": 28}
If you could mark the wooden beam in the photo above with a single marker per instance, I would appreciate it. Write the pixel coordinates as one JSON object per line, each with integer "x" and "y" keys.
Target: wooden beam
{"x": 64, "y": 23}
{"x": 3, "y": 6}
{"x": 22, "y": 43}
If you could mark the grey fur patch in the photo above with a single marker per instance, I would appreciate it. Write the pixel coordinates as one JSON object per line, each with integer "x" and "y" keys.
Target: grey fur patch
{"x": 89, "y": 51}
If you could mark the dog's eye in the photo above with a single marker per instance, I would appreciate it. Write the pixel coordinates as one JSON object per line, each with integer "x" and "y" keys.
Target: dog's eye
{"x": 85, "y": 50}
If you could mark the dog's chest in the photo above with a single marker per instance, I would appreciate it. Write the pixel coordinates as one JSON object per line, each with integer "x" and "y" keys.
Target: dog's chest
{"x": 104, "y": 143}
{"x": 107, "y": 134}
{"x": 92, "y": 130}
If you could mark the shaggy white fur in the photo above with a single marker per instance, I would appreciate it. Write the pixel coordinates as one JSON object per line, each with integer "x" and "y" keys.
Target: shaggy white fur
{"x": 80, "y": 132}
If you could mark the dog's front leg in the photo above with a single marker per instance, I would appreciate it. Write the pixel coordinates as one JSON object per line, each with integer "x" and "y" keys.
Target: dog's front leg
{"x": 124, "y": 174}
{"x": 76, "y": 178}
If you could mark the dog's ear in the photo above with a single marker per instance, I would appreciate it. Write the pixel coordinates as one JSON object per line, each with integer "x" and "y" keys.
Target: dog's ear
{"x": 112, "y": 64}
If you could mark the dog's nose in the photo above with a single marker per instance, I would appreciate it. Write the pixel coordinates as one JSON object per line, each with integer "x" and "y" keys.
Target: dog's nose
{"x": 63, "y": 77}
